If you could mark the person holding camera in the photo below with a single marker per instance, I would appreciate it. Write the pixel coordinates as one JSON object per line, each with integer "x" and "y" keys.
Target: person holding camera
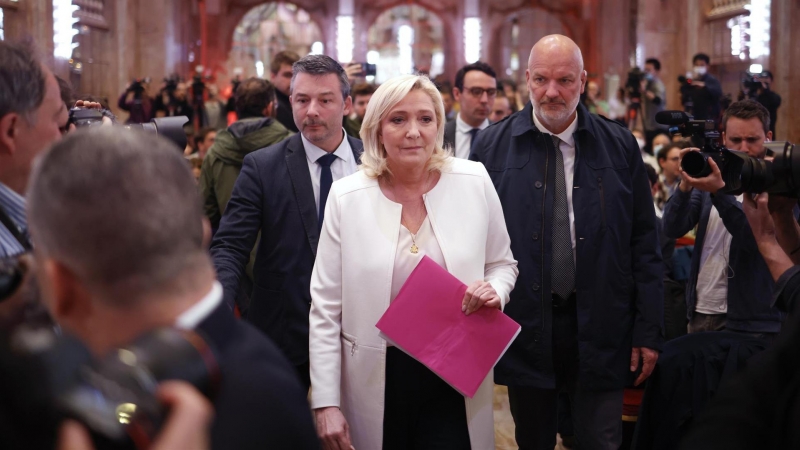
{"x": 729, "y": 286}
{"x": 136, "y": 101}
{"x": 704, "y": 91}
{"x": 32, "y": 116}
{"x": 120, "y": 250}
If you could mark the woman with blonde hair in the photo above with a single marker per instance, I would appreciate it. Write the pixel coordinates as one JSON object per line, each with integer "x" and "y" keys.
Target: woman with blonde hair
{"x": 410, "y": 199}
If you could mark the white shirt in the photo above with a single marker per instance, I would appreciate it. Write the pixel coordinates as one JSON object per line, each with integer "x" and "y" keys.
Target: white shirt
{"x": 343, "y": 166}
{"x": 192, "y": 317}
{"x": 567, "y": 148}
{"x": 712, "y": 280}
{"x": 463, "y": 138}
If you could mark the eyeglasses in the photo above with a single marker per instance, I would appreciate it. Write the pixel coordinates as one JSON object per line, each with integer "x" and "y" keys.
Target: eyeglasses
{"x": 478, "y": 92}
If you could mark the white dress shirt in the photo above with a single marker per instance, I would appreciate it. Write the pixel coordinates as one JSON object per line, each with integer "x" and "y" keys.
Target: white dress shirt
{"x": 712, "y": 279}
{"x": 344, "y": 165}
{"x": 463, "y": 138}
{"x": 567, "y": 148}
{"x": 191, "y": 318}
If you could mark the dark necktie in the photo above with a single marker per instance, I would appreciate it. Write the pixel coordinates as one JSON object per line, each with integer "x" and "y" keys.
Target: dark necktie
{"x": 472, "y": 134}
{"x": 562, "y": 272}
{"x": 325, "y": 182}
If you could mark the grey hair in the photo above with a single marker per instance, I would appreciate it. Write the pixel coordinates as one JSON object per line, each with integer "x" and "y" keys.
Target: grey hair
{"x": 22, "y": 80}
{"x": 319, "y": 65}
{"x": 118, "y": 208}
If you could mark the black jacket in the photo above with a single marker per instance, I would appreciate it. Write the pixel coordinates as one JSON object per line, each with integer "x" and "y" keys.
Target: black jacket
{"x": 618, "y": 266}
{"x": 259, "y": 403}
{"x": 273, "y": 194}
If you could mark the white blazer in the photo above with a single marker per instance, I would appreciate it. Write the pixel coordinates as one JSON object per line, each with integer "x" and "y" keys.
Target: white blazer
{"x": 352, "y": 280}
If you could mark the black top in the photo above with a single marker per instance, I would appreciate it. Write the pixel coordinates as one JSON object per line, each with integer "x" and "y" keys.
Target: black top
{"x": 772, "y": 102}
{"x": 285, "y": 111}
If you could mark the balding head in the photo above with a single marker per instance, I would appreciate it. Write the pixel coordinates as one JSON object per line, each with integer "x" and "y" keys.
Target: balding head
{"x": 556, "y": 79}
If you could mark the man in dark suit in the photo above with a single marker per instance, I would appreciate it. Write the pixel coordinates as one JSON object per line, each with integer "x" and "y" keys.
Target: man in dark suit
{"x": 475, "y": 90}
{"x": 119, "y": 238}
{"x": 580, "y": 216}
{"x": 281, "y": 191}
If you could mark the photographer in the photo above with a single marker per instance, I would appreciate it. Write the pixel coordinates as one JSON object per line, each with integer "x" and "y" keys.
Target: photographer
{"x": 32, "y": 116}
{"x": 136, "y": 101}
{"x": 172, "y": 100}
{"x": 118, "y": 259}
{"x": 760, "y": 408}
{"x": 729, "y": 286}
{"x": 703, "y": 91}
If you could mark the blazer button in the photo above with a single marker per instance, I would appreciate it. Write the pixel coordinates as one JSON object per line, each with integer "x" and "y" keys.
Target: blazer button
{"x": 535, "y": 287}
{"x": 538, "y": 184}
{"x": 535, "y": 236}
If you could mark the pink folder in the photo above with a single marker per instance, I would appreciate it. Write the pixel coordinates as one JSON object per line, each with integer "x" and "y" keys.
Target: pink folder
{"x": 425, "y": 321}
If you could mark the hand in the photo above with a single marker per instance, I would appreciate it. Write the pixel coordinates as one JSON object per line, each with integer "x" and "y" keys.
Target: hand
{"x": 759, "y": 218}
{"x": 650, "y": 95}
{"x": 353, "y": 71}
{"x": 782, "y": 205}
{"x": 186, "y": 427}
{"x": 479, "y": 293}
{"x": 332, "y": 428}
{"x": 711, "y": 183}
{"x": 649, "y": 358}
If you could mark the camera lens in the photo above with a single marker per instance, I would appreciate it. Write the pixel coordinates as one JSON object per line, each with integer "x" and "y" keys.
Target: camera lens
{"x": 695, "y": 164}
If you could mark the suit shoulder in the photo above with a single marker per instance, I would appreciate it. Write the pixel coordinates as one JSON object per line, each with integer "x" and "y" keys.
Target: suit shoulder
{"x": 272, "y": 152}
{"x": 458, "y": 166}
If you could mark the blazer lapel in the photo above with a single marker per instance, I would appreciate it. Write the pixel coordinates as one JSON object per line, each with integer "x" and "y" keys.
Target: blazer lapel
{"x": 357, "y": 147}
{"x": 303, "y": 191}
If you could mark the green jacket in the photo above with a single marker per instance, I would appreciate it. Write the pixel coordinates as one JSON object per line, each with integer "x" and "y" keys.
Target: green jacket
{"x": 223, "y": 161}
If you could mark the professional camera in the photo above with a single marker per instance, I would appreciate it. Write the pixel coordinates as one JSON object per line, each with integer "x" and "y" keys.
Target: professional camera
{"x": 168, "y": 127}
{"x": 741, "y": 172}
{"x": 113, "y": 397}
{"x": 171, "y": 84}
{"x": 634, "y": 84}
{"x": 137, "y": 85}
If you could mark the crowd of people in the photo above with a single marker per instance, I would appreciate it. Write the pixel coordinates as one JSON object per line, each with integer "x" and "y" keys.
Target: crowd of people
{"x": 309, "y": 198}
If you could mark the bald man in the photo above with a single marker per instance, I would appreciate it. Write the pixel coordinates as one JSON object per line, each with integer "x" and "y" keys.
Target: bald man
{"x": 579, "y": 211}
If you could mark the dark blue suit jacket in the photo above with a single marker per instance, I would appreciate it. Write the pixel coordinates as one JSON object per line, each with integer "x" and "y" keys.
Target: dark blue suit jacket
{"x": 274, "y": 195}
{"x": 618, "y": 267}
{"x": 750, "y": 284}
{"x": 259, "y": 402}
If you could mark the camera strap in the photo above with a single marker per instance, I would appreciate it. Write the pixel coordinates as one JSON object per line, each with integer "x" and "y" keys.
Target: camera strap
{"x": 15, "y": 231}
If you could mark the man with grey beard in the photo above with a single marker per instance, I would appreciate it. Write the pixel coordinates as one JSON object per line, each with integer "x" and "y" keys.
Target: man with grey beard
{"x": 580, "y": 215}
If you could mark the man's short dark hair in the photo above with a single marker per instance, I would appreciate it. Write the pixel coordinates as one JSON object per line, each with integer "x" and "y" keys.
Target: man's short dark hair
{"x": 745, "y": 110}
{"x": 285, "y": 57}
{"x": 664, "y": 151}
{"x": 252, "y": 97}
{"x": 363, "y": 89}
{"x": 656, "y": 63}
{"x": 22, "y": 79}
{"x": 119, "y": 209}
{"x": 701, "y": 57}
{"x": 479, "y": 66}
{"x": 65, "y": 88}
{"x": 201, "y": 135}
{"x": 319, "y": 65}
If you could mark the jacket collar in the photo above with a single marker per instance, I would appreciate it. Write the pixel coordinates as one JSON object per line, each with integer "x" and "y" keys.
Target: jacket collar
{"x": 523, "y": 121}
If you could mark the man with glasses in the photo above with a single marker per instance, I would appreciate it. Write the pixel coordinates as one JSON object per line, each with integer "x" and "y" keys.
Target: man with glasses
{"x": 475, "y": 89}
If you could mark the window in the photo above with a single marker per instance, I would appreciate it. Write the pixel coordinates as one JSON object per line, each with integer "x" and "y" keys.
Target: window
{"x": 2, "y": 26}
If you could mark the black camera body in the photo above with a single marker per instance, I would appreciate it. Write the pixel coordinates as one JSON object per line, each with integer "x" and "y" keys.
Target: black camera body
{"x": 633, "y": 85}
{"x": 741, "y": 172}
{"x": 114, "y": 397}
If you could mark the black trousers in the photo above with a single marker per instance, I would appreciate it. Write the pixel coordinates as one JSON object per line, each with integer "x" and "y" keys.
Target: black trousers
{"x": 596, "y": 416}
{"x": 422, "y": 411}
{"x": 304, "y": 375}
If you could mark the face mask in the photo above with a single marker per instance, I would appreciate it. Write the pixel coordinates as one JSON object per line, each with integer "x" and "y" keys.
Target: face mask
{"x": 700, "y": 70}
{"x": 657, "y": 148}
{"x": 640, "y": 141}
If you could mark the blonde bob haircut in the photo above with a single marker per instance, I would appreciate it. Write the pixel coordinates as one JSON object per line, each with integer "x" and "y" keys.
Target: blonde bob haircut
{"x": 388, "y": 95}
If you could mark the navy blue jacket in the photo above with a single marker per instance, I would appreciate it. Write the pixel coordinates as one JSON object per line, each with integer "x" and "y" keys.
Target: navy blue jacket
{"x": 259, "y": 403}
{"x": 618, "y": 266}
{"x": 750, "y": 284}
{"x": 273, "y": 194}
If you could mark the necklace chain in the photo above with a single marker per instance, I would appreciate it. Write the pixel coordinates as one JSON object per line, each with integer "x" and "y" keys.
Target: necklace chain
{"x": 414, "y": 248}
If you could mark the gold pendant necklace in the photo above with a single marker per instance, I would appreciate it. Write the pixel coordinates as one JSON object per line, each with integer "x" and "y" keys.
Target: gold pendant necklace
{"x": 414, "y": 249}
